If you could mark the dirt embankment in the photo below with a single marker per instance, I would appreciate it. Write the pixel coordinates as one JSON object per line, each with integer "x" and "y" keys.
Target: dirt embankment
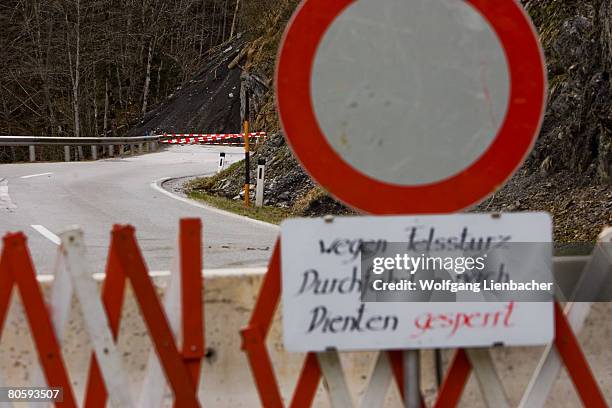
{"x": 580, "y": 210}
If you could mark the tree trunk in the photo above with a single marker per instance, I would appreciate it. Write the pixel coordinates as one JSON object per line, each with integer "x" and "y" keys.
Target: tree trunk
{"x": 75, "y": 69}
{"x": 106, "y": 105}
{"x": 119, "y": 88}
{"x": 212, "y": 26}
{"x": 145, "y": 92}
{"x": 202, "y": 28}
{"x": 95, "y": 106}
{"x": 224, "y": 21}
{"x": 43, "y": 64}
{"x": 158, "y": 88}
{"x": 234, "y": 20}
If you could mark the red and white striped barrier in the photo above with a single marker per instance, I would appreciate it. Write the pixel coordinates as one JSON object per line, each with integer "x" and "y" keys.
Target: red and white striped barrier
{"x": 176, "y": 328}
{"x": 197, "y": 138}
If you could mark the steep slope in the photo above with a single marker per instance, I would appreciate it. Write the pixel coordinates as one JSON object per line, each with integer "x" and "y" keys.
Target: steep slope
{"x": 577, "y": 131}
{"x": 209, "y": 102}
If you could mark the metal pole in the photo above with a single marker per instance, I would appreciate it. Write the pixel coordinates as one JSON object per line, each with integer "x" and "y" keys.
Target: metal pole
{"x": 247, "y": 173}
{"x": 94, "y": 152}
{"x": 412, "y": 378}
{"x": 247, "y": 166}
{"x": 439, "y": 368}
{"x": 67, "y": 153}
{"x": 32, "y": 153}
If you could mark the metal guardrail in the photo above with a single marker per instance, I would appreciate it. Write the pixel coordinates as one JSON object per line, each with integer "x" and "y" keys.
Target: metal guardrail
{"x": 73, "y": 141}
{"x": 137, "y": 143}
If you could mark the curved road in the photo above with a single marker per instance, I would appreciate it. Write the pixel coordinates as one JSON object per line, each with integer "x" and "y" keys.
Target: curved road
{"x": 43, "y": 198}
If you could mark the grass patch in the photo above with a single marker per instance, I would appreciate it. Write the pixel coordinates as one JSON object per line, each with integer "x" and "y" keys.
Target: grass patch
{"x": 272, "y": 215}
{"x": 206, "y": 183}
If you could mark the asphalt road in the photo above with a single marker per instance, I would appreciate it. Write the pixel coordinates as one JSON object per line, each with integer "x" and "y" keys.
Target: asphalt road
{"x": 41, "y": 199}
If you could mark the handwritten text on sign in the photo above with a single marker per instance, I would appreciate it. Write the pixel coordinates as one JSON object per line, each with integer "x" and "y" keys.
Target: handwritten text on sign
{"x": 322, "y": 284}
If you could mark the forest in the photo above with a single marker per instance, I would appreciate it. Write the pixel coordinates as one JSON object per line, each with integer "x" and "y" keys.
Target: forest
{"x": 94, "y": 67}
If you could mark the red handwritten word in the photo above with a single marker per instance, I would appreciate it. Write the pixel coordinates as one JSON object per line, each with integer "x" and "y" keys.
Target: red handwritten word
{"x": 453, "y": 322}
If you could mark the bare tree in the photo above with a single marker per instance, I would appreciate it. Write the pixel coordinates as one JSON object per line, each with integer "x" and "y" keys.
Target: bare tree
{"x": 106, "y": 106}
{"x": 145, "y": 92}
{"x": 234, "y": 19}
{"x": 74, "y": 62}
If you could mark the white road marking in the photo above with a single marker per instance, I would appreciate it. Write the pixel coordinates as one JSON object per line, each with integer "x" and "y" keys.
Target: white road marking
{"x": 156, "y": 185}
{"x": 5, "y": 198}
{"x": 47, "y": 234}
{"x": 35, "y": 175}
{"x": 206, "y": 273}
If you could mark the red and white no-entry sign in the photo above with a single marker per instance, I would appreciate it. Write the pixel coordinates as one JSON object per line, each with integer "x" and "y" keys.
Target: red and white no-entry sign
{"x": 421, "y": 106}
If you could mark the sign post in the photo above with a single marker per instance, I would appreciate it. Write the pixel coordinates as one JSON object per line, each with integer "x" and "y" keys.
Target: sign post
{"x": 259, "y": 192}
{"x": 412, "y": 378}
{"x": 247, "y": 154}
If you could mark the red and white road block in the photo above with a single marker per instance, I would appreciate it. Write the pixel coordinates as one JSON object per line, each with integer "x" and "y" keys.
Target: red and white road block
{"x": 182, "y": 316}
{"x": 236, "y": 139}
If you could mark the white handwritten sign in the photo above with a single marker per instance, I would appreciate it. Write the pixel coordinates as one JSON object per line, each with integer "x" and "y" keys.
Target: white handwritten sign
{"x": 322, "y": 283}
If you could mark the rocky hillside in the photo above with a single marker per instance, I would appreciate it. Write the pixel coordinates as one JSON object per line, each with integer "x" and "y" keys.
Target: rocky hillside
{"x": 577, "y": 131}
{"x": 569, "y": 173}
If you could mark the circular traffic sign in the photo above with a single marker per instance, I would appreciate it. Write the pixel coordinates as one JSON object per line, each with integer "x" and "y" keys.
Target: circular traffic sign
{"x": 421, "y": 106}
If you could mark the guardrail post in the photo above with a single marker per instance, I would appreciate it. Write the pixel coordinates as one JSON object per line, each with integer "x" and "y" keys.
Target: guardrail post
{"x": 74, "y": 148}
{"x": 221, "y": 162}
{"x": 259, "y": 192}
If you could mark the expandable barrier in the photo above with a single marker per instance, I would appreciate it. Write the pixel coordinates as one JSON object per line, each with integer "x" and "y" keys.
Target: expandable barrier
{"x": 180, "y": 362}
{"x": 254, "y": 337}
{"x": 236, "y": 139}
{"x": 564, "y": 350}
{"x": 180, "y": 318}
